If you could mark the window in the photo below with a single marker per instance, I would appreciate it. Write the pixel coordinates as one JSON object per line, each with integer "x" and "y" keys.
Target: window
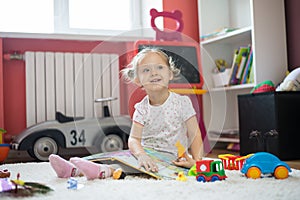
{"x": 26, "y": 16}
{"x": 95, "y": 17}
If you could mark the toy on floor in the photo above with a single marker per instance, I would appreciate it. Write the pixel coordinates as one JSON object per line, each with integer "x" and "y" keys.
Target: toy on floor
{"x": 265, "y": 163}
{"x": 4, "y": 149}
{"x": 232, "y": 162}
{"x": 291, "y": 81}
{"x": 72, "y": 183}
{"x": 21, "y": 188}
{"x": 4, "y": 173}
{"x": 118, "y": 174}
{"x": 208, "y": 171}
{"x": 181, "y": 177}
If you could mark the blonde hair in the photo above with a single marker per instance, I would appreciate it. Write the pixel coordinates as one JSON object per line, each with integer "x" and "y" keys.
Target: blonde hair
{"x": 129, "y": 73}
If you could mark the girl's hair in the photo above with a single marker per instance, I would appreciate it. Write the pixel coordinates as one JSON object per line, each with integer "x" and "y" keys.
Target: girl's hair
{"x": 129, "y": 73}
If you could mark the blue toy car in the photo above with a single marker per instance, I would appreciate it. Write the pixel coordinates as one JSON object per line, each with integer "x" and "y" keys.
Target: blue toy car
{"x": 265, "y": 163}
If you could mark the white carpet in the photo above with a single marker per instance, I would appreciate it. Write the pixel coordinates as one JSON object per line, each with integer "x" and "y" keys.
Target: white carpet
{"x": 236, "y": 186}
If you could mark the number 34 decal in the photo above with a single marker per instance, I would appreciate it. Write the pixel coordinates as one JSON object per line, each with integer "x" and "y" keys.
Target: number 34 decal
{"x": 77, "y": 137}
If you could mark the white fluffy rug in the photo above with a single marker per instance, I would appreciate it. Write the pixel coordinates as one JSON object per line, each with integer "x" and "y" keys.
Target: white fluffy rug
{"x": 236, "y": 186}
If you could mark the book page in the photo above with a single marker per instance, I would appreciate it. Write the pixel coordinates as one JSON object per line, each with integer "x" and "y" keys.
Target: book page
{"x": 166, "y": 170}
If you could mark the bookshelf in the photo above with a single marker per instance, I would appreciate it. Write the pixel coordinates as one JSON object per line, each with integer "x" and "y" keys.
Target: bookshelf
{"x": 260, "y": 23}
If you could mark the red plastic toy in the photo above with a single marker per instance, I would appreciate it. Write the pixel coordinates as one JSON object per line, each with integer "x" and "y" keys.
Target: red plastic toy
{"x": 208, "y": 171}
{"x": 232, "y": 162}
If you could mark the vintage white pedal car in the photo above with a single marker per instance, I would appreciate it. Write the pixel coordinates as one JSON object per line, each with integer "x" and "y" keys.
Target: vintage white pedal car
{"x": 105, "y": 134}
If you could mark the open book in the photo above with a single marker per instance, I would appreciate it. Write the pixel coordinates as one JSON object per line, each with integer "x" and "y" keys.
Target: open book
{"x": 129, "y": 163}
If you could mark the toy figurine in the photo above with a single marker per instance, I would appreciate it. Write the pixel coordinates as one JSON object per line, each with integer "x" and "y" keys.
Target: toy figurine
{"x": 21, "y": 188}
{"x": 181, "y": 177}
{"x": 4, "y": 173}
{"x": 118, "y": 174}
{"x": 72, "y": 183}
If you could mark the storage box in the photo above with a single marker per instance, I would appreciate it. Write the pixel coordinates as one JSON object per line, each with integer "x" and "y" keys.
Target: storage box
{"x": 268, "y": 122}
{"x": 221, "y": 79}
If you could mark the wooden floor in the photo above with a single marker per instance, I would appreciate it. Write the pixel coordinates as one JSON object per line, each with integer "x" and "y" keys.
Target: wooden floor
{"x": 21, "y": 156}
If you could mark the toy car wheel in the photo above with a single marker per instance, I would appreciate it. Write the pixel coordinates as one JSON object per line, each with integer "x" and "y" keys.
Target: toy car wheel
{"x": 111, "y": 142}
{"x": 214, "y": 178}
{"x": 43, "y": 147}
{"x": 201, "y": 178}
{"x": 281, "y": 172}
{"x": 253, "y": 172}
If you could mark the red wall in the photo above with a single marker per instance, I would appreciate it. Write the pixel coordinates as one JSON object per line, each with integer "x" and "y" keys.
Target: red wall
{"x": 1, "y": 87}
{"x": 189, "y": 12}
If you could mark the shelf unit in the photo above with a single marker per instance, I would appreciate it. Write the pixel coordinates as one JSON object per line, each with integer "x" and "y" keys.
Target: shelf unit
{"x": 260, "y": 23}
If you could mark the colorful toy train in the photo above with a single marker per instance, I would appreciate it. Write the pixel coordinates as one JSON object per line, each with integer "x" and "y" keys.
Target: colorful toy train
{"x": 208, "y": 171}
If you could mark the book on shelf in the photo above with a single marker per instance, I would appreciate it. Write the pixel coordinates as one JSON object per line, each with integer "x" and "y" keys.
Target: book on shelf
{"x": 242, "y": 66}
{"x": 233, "y": 66}
{"x": 251, "y": 75}
{"x": 238, "y": 64}
{"x": 248, "y": 68}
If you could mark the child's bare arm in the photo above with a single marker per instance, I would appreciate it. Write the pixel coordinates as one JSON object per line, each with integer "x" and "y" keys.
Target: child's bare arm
{"x": 135, "y": 146}
{"x": 196, "y": 148}
{"x": 194, "y": 135}
{"x": 134, "y": 141}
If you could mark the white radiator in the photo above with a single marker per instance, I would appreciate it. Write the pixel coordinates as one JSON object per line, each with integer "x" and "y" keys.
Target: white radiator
{"x": 70, "y": 83}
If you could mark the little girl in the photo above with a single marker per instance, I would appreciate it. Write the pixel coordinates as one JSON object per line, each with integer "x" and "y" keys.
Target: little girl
{"x": 160, "y": 120}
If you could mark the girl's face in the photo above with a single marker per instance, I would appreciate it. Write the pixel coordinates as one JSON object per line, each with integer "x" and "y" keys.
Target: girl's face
{"x": 153, "y": 72}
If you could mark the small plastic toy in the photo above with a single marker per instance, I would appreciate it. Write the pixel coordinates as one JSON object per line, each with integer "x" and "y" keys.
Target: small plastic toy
{"x": 119, "y": 174}
{"x": 265, "y": 163}
{"x": 181, "y": 177}
{"x": 4, "y": 149}
{"x": 208, "y": 171}
{"x": 180, "y": 149}
{"x": 232, "y": 162}
{"x": 4, "y": 173}
{"x": 22, "y": 188}
{"x": 72, "y": 183}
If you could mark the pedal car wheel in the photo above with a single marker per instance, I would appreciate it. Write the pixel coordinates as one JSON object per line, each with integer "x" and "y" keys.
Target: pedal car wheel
{"x": 253, "y": 172}
{"x": 43, "y": 147}
{"x": 281, "y": 172}
{"x": 111, "y": 142}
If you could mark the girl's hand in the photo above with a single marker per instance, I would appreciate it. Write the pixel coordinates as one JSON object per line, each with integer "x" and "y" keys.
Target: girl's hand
{"x": 145, "y": 161}
{"x": 186, "y": 161}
